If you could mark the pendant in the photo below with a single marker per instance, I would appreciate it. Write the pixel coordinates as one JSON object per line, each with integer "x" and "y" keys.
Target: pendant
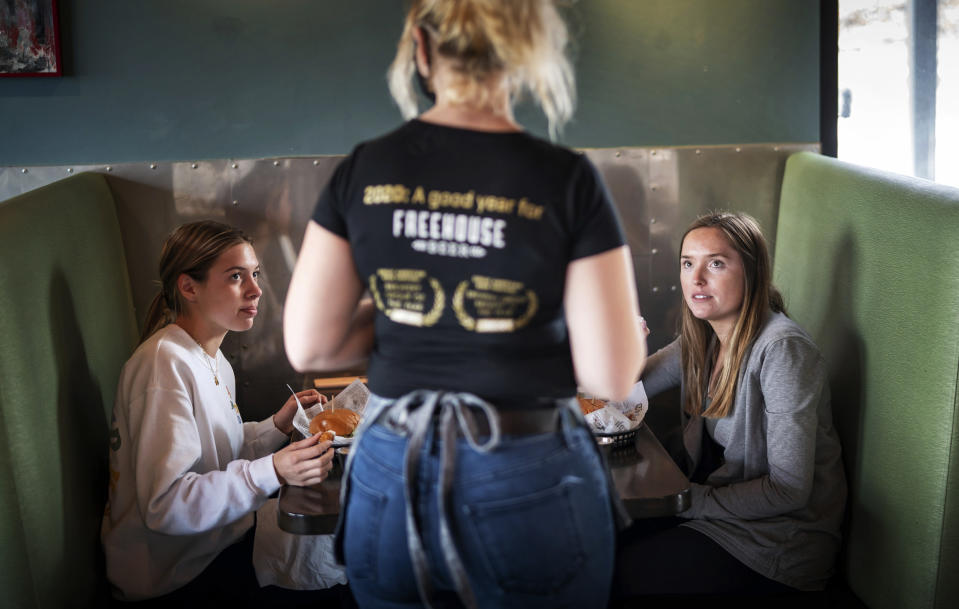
{"x": 216, "y": 380}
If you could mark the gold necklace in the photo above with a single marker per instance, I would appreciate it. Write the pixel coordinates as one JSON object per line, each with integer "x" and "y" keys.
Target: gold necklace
{"x": 206, "y": 360}
{"x": 216, "y": 376}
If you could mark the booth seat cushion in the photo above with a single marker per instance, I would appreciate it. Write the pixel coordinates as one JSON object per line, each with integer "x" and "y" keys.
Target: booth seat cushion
{"x": 66, "y": 326}
{"x": 869, "y": 265}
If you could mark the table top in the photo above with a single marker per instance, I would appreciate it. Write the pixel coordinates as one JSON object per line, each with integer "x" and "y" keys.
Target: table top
{"x": 646, "y": 477}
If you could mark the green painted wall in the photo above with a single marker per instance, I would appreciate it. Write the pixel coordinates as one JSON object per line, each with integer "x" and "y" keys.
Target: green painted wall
{"x": 196, "y": 79}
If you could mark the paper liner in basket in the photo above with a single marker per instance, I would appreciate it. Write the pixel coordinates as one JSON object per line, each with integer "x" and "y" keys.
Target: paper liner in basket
{"x": 620, "y": 417}
{"x": 353, "y": 397}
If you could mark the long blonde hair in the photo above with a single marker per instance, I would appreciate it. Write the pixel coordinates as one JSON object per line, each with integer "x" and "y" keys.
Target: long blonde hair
{"x": 524, "y": 39}
{"x": 760, "y": 297}
{"x": 192, "y": 249}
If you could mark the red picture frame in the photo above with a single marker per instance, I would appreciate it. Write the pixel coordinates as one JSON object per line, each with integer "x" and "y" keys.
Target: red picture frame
{"x": 30, "y": 38}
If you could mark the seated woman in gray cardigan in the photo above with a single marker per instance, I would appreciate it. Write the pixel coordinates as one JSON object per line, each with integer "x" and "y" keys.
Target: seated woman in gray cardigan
{"x": 768, "y": 489}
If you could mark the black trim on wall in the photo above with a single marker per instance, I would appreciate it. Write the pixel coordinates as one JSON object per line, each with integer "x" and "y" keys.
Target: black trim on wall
{"x": 923, "y": 40}
{"x": 828, "y": 75}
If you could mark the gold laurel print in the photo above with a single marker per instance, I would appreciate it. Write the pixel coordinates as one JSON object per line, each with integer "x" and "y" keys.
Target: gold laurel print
{"x": 491, "y": 325}
{"x": 376, "y": 294}
{"x": 530, "y": 310}
{"x": 465, "y": 319}
{"x": 439, "y": 302}
{"x": 405, "y": 316}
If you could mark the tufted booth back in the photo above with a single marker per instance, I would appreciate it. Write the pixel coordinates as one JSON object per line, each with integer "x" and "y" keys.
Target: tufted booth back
{"x": 869, "y": 264}
{"x": 66, "y": 327}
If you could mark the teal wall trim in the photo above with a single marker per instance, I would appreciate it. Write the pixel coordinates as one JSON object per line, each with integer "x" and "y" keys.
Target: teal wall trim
{"x": 163, "y": 80}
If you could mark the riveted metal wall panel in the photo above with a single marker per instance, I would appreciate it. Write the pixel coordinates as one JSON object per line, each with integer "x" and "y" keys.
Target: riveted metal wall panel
{"x": 657, "y": 191}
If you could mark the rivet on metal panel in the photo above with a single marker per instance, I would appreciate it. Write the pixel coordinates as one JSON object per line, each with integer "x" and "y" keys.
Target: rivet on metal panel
{"x": 194, "y": 165}
{"x": 653, "y": 153}
{"x": 276, "y": 163}
{"x": 109, "y": 168}
{"x": 235, "y": 165}
{"x": 654, "y": 251}
{"x": 672, "y": 288}
{"x": 652, "y": 220}
{"x": 775, "y": 148}
{"x": 24, "y": 170}
{"x": 315, "y": 162}
{"x": 235, "y": 202}
{"x": 698, "y": 151}
{"x": 153, "y": 165}
{"x": 69, "y": 169}
{"x": 618, "y": 154}
{"x": 655, "y": 288}
{"x": 738, "y": 149}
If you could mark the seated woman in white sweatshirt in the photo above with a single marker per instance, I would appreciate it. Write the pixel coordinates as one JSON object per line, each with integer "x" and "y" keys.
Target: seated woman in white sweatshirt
{"x": 186, "y": 473}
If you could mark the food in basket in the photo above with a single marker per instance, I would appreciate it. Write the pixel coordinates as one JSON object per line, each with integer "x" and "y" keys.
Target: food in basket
{"x": 615, "y": 417}
{"x": 327, "y": 436}
{"x": 588, "y": 405}
{"x": 341, "y": 421}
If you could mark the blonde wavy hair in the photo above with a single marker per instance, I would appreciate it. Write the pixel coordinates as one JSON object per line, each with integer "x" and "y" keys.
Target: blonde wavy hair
{"x": 526, "y": 40}
{"x": 760, "y": 297}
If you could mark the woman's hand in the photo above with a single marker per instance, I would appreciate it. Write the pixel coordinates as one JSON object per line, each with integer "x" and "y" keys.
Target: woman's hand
{"x": 304, "y": 463}
{"x": 283, "y": 419}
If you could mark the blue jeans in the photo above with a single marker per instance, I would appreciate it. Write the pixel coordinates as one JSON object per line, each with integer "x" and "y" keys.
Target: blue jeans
{"x": 531, "y": 521}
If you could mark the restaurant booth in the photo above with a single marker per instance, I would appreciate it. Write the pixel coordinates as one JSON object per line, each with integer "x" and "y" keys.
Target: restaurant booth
{"x": 867, "y": 262}
{"x": 168, "y": 112}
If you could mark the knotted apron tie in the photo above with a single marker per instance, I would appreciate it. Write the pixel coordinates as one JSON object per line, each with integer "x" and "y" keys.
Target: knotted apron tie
{"x": 414, "y": 415}
{"x": 417, "y": 411}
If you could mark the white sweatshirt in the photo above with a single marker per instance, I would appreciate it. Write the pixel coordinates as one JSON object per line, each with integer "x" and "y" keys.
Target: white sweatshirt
{"x": 186, "y": 474}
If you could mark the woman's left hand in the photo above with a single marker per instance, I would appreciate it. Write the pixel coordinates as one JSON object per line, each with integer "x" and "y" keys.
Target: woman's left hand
{"x": 283, "y": 419}
{"x": 642, "y": 324}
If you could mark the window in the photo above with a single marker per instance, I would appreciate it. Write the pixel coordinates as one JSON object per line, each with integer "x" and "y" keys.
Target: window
{"x": 898, "y": 72}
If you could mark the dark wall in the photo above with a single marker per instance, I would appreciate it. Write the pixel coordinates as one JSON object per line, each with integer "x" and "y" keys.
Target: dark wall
{"x": 193, "y": 79}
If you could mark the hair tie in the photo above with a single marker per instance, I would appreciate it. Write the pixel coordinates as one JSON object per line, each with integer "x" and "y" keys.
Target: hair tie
{"x": 169, "y": 307}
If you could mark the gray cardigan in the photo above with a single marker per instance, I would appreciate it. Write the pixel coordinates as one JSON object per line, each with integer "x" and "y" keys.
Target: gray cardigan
{"x": 776, "y": 503}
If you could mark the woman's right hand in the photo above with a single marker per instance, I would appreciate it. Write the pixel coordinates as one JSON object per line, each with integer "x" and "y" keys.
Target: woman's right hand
{"x": 304, "y": 463}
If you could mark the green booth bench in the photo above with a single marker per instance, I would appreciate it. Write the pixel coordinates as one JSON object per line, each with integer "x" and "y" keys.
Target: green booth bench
{"x": 66, "y": 327}
{"x": 868, "y": 263}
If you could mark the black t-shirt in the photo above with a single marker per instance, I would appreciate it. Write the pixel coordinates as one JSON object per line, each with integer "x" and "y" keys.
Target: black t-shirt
{"x": 463, "y": 238}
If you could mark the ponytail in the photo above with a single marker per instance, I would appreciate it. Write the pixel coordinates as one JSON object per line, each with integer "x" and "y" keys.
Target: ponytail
{"x": 158, "y": 315}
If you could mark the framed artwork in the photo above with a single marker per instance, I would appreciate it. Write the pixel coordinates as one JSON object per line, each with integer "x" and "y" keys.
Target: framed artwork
{"x": 29, "y": 38}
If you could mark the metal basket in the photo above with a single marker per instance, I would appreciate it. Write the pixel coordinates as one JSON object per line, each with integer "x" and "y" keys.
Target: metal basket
{"x": 617, "y": 440}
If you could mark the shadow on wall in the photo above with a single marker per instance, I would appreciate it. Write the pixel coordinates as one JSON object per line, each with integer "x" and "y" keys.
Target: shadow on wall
{"x": 83, "y": 443}
{"x": 147, "y": 218}
{"x": 843, "y": 348}
{"x": 626, "y": 187}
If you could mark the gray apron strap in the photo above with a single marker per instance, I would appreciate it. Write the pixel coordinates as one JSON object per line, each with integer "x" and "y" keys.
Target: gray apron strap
{"x": 457, "y": 417}
{"x": 418, "y": 422}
